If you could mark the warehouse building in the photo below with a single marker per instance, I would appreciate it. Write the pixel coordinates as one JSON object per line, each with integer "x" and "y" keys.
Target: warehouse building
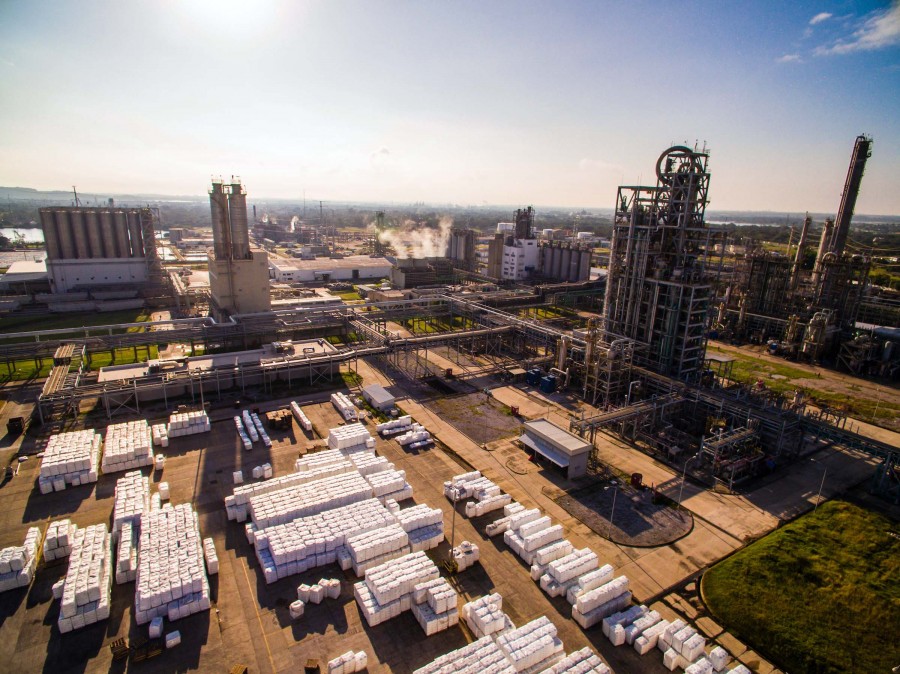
{"x": 326, "y": 269}
{"x": 566, "y": 451}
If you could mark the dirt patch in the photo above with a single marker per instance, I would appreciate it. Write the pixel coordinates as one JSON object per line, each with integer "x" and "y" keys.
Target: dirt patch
{"x": 636, "y": 519}
{"x": 481, "y": 418}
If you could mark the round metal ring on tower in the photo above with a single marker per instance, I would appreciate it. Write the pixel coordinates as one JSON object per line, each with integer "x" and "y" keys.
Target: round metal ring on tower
{"x": 676, "y": 153}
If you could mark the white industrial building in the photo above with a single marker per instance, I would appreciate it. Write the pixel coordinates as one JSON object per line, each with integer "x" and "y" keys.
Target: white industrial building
{"x": 520, "y": 260}
{"x": 563, "y": 449}
{"x": 378, "y": 397}
{"x": 325, "y": 270}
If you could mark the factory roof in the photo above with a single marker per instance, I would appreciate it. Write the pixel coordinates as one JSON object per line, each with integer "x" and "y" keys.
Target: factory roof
{"x": 718, "y": 358}
{"x": 325, "y": 263}
{"x": 557, "y": 437}
{"x": 25, "y": 270}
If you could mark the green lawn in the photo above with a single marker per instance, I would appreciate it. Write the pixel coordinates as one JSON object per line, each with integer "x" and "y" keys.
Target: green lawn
{"x": 748, "y": 370}
{"x": 819, "y": 595}
{"x": 30, "y": 323}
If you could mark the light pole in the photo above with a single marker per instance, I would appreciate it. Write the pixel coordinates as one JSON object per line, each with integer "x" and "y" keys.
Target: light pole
{"x": 683, "y": 475}
{"x": 612, "y": 512}
{"x": 821, "y": 485}
{"x": 454, "y": 493}
{"x": 628, "y": 399}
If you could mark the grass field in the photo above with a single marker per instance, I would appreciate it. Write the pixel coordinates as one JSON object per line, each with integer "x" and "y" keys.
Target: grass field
{"x": 819, "y": 595}
{"x": 32, "y": 322}
{"x": 748, "y": 370}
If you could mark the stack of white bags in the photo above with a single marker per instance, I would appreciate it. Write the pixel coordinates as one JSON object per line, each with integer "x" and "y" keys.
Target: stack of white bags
{"x": 344, "y": 406}
{"x": 17, "y": 563}
{"x": 160, "y": 435}
{"x": 434, "y": 606}
{"x": 59, "y": 539}
{"x": 301, "y": 417}
{"x": 348, "y": 663}
{"x": 188, "y": 423}
{"x": 127, "y": 553}
{"x": 387, "y": 590}
{"x": 70, "y": 459}
{"x": 212, "y": 559}
{"x": 132, "y": 500}
{"x": 127, "y": 446}
{"x": 85, "y": 592}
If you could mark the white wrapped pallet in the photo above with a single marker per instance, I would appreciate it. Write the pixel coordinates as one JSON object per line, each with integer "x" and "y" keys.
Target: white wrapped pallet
{"x": 591, "y": 599}
{"x": 173, "y": 639}
{"x": 701, "y": 665}
{"x": 59, "y": 539}
{"x": 485, "y": 615}
{"x": 249, "y": 425}
{"x": 465, "y": 555}
{"x": 18, "y": 562}
{"x": 156, "y": 627}
{"x": 419, "y": 516}
{"x": 127, "y": 554}
{"x": 284, "y": 505}
{"x": 188, "y": 423}
{"x": 573, "y": 565}
{"x": 300, "y": 416}
{"x": 171, "y": 579}
{"x": 349, "y": 437}
{"x": 693, "y": 648}
{"x": 238, "y": 477}
{"x": 623, "y": 617}
{"x": 617, "y": 635}
{"x": 160, "y": 435}
{"x": 297, "y": 609}
{"x": 739, "y": 669}
{"x": 522, "y": 518}
{"x": 648, "y": 640}
{"x": 366, "y": 464}
{"x": 512, "y": 509}
{"x": 591, "y": 618}
{"x": 719, "y": 658}
{"x": 163, "y": 490}
{"x": 132, "y": 499}
{"x": 387, "y": 589}
{"x": 589, "y": 581}
{"x": 665, "y": 637}
{"x": 127, "y": 446}
{"x": 482, "y": 656}
{"x": 435, "y": 606}
{"x": 376, "y": 544}
{"x": 71, "y": 458}
{"x": 245, "y": 439}
{"x": 85, "y": 598}
{"x": 584, "y": 661}
{"x": 344, "y": 406}
{"x": 209, "y": 554}
{"x": 414, "y": 437}
{"x": 681, "y": 636}
{"x": 387, "y": 482}
{"x": 672, "y": 660}
{"x": 488, "y": 505}
{"x": 532, "y": 644}
{"x": 639, "y": 626}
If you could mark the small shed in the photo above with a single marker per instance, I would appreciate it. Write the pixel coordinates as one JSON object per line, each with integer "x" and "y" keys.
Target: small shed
{"x": 563, "y": 449}
{"x": 378, "y": 397}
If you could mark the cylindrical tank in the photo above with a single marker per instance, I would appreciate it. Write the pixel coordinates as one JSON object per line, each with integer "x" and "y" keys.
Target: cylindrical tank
{"x": 547, "y": 233}
{"x": 64, "y": 231}
{"x": 237, "y": 214}
{"x": 566, "y": 259}
{"x": 123, "y": 248}
{"x": 584, "y": 235}
{"x": 108, "y": 234}
{"x": 79, "y": 234}
{"x": 95, "y": 237}
{"x": 51, "y": 238}
{"x": 134, "y": 234}
{"x": 218, "y": 210}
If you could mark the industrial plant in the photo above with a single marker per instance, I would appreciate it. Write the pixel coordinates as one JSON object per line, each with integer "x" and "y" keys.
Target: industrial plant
{"x": 522, "y": 369}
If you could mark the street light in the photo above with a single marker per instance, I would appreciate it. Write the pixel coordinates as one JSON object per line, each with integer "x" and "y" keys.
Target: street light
{"x": 612, "y": 512}
{"x": 628, "y": 399}
{"x": 683, "y": 475}
{"x": 821, "y": 485}
{"x": 454, "y": 493}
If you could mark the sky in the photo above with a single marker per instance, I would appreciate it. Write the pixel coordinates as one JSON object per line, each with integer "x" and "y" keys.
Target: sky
{"x": 473, "y": 103}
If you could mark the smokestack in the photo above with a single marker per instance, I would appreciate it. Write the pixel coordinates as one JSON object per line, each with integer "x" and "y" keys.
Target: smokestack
{"x": 798, "y": 259}
{"x": 823, "y": 248}
{"x": 862, "y": 150}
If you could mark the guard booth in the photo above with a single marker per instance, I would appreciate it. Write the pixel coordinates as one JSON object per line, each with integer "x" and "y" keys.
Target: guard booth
{"x": 566, "y": 451}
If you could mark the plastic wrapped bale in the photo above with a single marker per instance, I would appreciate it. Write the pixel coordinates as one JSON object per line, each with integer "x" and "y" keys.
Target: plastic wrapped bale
{"x": 637, "y": 628}
{"x": 739, "y": 669}
{"x": 303, "y": 592}
{"x": 665, "y": 637}
{"x": 719, "y": 658}
{"x": 672, "y": 660}
{"x": 680, "y": 637}
{"x": 173, "y": 639}
{"x": 238, "y": 477}
{"x": 617, "y": 635}
{"x": 316, "y": 594}
{"x": 648, "y": 640}
{"x": 156, "y": 627}
{"x": 693, "y": 648}
{"x": 700, "y": 666}
{"x": 584, "y": 661}
{"x": 296, "y": 609}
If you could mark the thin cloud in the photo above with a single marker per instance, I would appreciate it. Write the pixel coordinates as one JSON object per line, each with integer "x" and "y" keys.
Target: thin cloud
{"x": 588, "y": 164}
{"x": 789, "y": 58}
{"x": 881, "y": 29}
{"x": 820, "y": 17}
{"x": 380, "y": 152}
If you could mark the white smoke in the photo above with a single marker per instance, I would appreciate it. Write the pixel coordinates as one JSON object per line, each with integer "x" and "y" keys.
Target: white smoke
{"x": 294, "y": 222}
{"x": 413, "y": 240}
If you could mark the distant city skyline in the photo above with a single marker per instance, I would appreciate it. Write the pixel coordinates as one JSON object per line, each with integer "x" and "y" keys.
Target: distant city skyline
{"x": 466, "y": 103}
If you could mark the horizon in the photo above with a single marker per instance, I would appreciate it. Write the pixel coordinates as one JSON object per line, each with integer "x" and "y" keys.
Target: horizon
{"x": 508, "y": 103}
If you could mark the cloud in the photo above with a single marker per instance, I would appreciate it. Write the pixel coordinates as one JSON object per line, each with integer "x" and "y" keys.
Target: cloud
{"x": 381, "y": 152}
{"x": 789, "y": 58}
{"x": 819, "y": 18}
{"x": 879, "y": 30}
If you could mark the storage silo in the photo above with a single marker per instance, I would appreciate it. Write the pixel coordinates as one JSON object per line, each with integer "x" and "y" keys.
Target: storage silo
{"x": 108, "y": 234}
{"x": 51, "y": 238}
{"x": 237, "y": 214}
{"x": 123, "y": 249}
{"x": 80, "y": 235}
{"x": 95, "y": 237}
{"x": 64, "y": 231}
{"x": 218, "y": 208}
{"x": 134, "y": 234}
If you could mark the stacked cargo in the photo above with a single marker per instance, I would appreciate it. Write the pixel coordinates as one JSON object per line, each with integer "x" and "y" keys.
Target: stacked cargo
{"x": 85, "y": 594}
{"x": 350, "y": 438}
{"x": 489, "y": 502}
{"x": 159, "y": 433}
{"x": 565, "y": 571}
{"x": 249, "y": 425}
{"x": 485, "y": 616}
{"x": 323, "y": 458}
{"x": 648, "y": 640}
{"x": 209, "y": 554}
{"x": 415, "y": 437}
{"x": 390, "y": 484}
{"x": 132, "y": 500}
{"x": 589, "y": 581}
{"x": 127, "y": 446}
{"x": 348, "y": 663}
{"x": 188, "y": 423}
{"x": 366, "y": 464}
{"x": 17, "y": 562}
{"x": 393, "y": 427}
{"x": 70, "y": 459}
{"x": 245, "y": 439}
{"x": 480, "y": 657}
{"x": 532, "y": 646}
{"x": 344, "y": 406}
{"x": 301, "y": 417}
{"x": 313, "y": 497}
{"x": 388, "y": 588}
{"x": 502, "y": 525}
{"x": 171, "y": 580}
{"x": 375, "y": 547}
{"x": 466, "y": 485}
{"x": 584, "y": 661}
{"x": 59, "y": 539}
{"x": 434, "y": 606}
{"x": 260, "y": 430}
{"x": 640, "y": 626}
{"x": 307, "y": 542}
{"x": 465, "y": 555}
{"x": 127, "y": 554}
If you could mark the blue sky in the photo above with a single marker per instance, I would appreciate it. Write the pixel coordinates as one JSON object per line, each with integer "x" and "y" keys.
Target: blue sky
{"x": 463, "y": 102}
